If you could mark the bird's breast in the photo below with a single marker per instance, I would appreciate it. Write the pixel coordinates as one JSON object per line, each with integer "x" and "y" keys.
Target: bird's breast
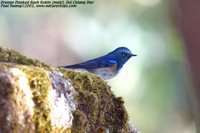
{"x": 106, "y": 73}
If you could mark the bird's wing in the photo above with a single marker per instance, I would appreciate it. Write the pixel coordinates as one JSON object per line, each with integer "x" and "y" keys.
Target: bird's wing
{"x": 92, "y": 64}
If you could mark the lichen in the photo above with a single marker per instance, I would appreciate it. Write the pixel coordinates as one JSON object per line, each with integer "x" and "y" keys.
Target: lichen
{"x": 62, "y": 102}
{"x": 7, "y": 90}
{"x": 16, "y": 106}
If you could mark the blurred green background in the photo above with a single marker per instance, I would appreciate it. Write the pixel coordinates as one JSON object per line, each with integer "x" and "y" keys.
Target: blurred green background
{"x": 155, "y": 85}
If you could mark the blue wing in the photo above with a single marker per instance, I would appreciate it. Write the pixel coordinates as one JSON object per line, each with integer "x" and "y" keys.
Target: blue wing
{"x": 92, "y": 64}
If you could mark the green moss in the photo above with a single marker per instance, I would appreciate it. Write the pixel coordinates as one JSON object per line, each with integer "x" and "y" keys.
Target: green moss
{"x": 98, "y": 108}
{"x": 61, "y": 130}
{"x": 11, "y": 56}
{"x": 40, "y": 85}
{"x": 79, "y": 122}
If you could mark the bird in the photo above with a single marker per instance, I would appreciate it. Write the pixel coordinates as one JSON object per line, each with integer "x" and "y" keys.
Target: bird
{"x": 107, "y": 66}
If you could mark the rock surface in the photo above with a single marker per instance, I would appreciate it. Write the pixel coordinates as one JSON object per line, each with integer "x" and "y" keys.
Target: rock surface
{"x": 39, "y": 98}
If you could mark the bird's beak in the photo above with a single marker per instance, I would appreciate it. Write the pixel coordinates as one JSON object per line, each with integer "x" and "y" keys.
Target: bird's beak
{"x": 133, "y": 55}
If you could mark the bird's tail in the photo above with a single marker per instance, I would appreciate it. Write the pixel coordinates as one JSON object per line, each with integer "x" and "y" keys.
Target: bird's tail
{"x": 71, "y": 66}
{"x": 75, "y": 67}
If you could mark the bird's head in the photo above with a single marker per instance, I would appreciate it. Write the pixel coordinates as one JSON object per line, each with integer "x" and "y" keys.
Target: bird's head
{"x": 121, "y": 55}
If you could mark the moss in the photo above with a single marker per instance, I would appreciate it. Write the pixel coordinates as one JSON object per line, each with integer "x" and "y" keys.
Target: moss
{"x": 98, "y": 108}
{"x": 80, "y": 121}
{"x": 11, "y": 56}
{"x": 60, "y": 130}
{"x": 40, "y": 85}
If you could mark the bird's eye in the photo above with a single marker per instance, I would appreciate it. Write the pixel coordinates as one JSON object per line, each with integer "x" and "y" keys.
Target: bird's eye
{"x": 123, "y": 54}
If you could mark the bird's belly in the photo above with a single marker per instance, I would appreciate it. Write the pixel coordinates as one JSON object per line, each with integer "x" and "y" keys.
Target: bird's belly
{"x": 105, "y": 73}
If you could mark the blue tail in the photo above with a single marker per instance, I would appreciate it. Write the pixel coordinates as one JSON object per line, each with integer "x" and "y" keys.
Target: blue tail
{"x": 71, "y": 66}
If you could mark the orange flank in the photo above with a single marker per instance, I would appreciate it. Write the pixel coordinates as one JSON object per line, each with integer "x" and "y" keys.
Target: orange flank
{"x": 114, "y": 67}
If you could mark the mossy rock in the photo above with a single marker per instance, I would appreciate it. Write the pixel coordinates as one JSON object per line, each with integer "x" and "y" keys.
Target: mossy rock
{"x": 97, "y": 108}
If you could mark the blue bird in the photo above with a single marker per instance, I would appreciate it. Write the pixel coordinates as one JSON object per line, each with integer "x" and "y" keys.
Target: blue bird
{"x": 107, "y": 66}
